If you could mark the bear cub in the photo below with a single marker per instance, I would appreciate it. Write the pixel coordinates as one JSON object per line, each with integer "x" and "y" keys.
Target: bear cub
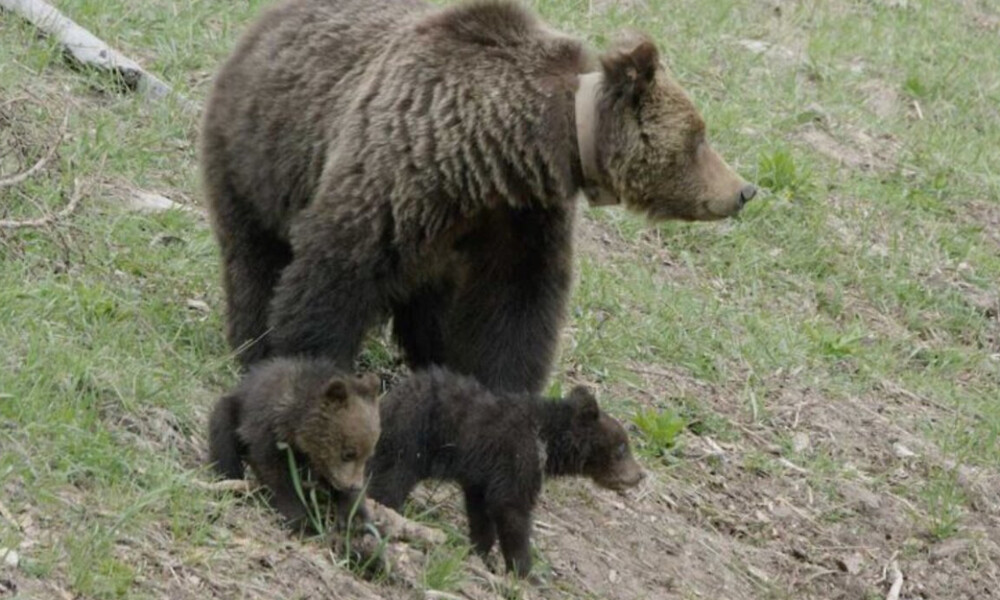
{"x": 330, "y": 421}
{"x": 440, "y": 425}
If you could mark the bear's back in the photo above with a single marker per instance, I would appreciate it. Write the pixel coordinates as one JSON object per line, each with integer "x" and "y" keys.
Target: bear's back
{"x": 470, "y": 103}
{"x": 268, "y": 120}
{"x": 458, "y": 427}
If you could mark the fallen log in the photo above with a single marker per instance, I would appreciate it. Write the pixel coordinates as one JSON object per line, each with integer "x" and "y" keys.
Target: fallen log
{"x": 87, "y": 49}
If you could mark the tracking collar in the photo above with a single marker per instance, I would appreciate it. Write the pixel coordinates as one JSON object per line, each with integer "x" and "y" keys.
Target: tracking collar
{"x": 586, "y": 139}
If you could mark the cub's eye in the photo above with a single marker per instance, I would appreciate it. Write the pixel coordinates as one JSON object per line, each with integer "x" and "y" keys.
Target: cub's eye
{"x": 349, "y": 456}
{"x": 621, "y": 451}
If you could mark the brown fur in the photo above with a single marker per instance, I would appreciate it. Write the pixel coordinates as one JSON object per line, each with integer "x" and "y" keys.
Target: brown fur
{"x": 367, "y": 158}
{"x": 329, "y": 420}
{"x": 437, "y": 424}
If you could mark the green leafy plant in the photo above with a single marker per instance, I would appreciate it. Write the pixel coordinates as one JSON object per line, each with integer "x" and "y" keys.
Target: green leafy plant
{"x": 778, "y": 172}
{"x": 660, "y": 428}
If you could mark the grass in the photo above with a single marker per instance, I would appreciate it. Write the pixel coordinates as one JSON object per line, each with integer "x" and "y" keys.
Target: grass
{"x": 838, "y": 283}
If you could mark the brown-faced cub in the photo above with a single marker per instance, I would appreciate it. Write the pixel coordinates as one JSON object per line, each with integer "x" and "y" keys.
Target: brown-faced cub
{"x": 330, "y": 420}
{"x": 440, "y": 425}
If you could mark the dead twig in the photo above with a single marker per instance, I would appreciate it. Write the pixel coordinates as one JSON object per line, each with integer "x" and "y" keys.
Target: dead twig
{"x": 9, "y": 516}
{"x": 23, "y": 175}
{"x": 11, "y": 102}
{"x": 396, "y": 526}
{"x": 893, "y": 388}
{"x": 439, "y": 595}
{"x": 74, "y": 201}
{"x": 897, "y": 581}
{"x": 227, "y": 485}
{"x": 393, "y": 524}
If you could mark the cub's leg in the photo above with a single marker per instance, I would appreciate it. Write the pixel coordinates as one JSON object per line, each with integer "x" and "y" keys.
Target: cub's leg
{"x": 271, "y": 467}
{"x": 514, "y": 530}
{"x": 482, "y": 530}
{"x": 225, "y": 450}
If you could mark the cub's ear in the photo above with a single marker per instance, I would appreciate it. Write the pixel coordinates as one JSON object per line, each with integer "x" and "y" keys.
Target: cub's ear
{"x": 369, "y": 385}
{"x": 336, "y": 391}
{"x": 630, "y": 65}
{"x": 586, "y": 405}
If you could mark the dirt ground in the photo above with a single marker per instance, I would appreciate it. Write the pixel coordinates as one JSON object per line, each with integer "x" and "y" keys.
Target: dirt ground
{"x": 724, "y": 519}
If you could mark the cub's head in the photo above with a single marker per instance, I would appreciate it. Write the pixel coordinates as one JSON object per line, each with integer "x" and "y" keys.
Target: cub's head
{"x": 340, "y": 432}
{"x": 607, "y": 457}
{"x": 643, "y": 143}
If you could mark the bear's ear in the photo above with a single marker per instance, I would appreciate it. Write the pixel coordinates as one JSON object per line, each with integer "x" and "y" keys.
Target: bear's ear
{"x": 630, "y": 65}
{"x": 369, "y": 385}
{"x": 336, "y": 391}
{"x": 585, "y": 403}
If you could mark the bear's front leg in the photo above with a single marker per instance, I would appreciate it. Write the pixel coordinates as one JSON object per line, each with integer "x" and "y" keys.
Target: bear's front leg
{"x": 503, "y": 326}
{"x": 271, "y": 468}
{"x": 329, "y": 297}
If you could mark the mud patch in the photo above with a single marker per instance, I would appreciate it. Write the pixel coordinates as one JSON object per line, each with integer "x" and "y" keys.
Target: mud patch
{"x": 853, "y": 148}
{"x": 881, "y": 99}
{"x": 603, "y": 6}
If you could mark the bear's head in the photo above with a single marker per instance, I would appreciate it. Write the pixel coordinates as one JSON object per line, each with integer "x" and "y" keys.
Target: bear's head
{"x": 642, "y": 142}
{"x": 341, "y": 429}
{"x": 602, "y": 443}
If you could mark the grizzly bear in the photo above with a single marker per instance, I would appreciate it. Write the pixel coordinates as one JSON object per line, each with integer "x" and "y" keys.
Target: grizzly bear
{"x": 497, "y": 447}
{"x": 372, "y": 158}
{"x": 330, "y": 421}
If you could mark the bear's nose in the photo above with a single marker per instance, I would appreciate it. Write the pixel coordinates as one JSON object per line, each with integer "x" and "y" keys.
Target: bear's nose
{"x": 747, "y": 193}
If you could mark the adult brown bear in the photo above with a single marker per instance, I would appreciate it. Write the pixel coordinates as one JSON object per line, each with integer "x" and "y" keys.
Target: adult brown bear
{"x": 368, "y": 158}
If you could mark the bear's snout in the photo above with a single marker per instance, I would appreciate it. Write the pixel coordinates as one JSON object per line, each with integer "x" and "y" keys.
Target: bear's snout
{"x": 747, "y": 194}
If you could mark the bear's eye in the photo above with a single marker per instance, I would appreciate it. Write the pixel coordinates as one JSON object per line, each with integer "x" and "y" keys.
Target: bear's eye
{"x": 621, "y": 450}
{"x": 349, "y": 456}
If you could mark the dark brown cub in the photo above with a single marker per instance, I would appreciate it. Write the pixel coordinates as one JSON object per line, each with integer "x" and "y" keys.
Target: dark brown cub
{"x": 440, "y": 425}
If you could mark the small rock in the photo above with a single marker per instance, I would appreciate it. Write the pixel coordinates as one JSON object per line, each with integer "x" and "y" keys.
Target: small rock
{"x": 10, "y": 557}
{"x": 148, "y": 202}
{"x": 165, "y": 239}
{"x": 800, "y": 441}
{"x": 613, "y": 576}
{"x": 861, "y": 499}
{"x": 198, "y": 305}
{"x": 851, "y": 564}
{"x": 755, "y": 46}
{"x": 902, "y": 451}
{"x": 948, "y": 549}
